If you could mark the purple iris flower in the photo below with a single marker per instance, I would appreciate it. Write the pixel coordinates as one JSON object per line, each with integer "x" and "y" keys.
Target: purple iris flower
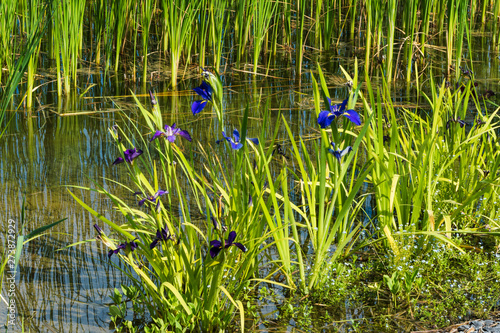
{"x": 130, "y": 155}
{"x": 217, "y": 245}
{"x": 161, "y": 235}
{"x": 339, "y": 153}
{"x": 205, "y": 91}
{"x": 171, "y": 133}
{"x": 235, "y": 140}
{"x": 123, "y": 246}
{"x": 325, "y": 118}
{"x": 153, "y": 199}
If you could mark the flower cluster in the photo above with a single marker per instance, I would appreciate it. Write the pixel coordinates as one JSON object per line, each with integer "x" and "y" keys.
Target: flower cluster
{"x": 170, "y": 133}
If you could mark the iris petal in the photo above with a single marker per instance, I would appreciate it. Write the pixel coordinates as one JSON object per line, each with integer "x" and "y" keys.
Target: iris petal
{"x": 353, "y": 116}
{"x": 339, "y": 107}
{"x": 154, "y": 243}
{"x": 231, "y": 238}
{"x": 214, "y": 251}
{"x": 215, "y": 223}
{"x": 204, "y": 90}
{"x": 236, "y": 136}
{"x": 226, "y": 137}
{"x": 215, "y": 243}
{"x": 197, "y": 106}
{"x": 118, "y": 161}
{"x": 236, "y": 146}
{"x": 345, "y": 151}
{"x": 160, "y": 193}
{"x": 255, "y": 141}
{"x": 157, "y": 135}
{"x": 339, "y": 153}
{"x": 325, "y": 118}
{"x": 185, "y": 135}
{"x": 240, "y": 246}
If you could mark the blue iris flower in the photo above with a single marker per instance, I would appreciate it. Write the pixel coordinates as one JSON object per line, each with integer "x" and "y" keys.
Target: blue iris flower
{"x": 235, "y": 140}
{"x": 205, "y": 91}
{"x": 325, "y": 118}
{"x": 339, "y": 153}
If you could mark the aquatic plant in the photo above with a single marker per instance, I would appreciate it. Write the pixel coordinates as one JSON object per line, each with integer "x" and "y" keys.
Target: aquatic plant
{"x": 177, "y": 25}
{"x": 217, "y": 245}
{"x": 205, "y": 91}
{"x": 325, "y": 118}
{"x": 171, "y": 132}
{"x": 127, "y": 248}
{"x": 129, "y": 156}
{"x": 235, "y": 140}
{"x": 162, "y": 235}
{"x": 154, "y": 199}
{"x": 211, "y": 91}
{"x": 196, "y": 269}
{"x": 263, "y": 11}
{"x": 339, "y": 153}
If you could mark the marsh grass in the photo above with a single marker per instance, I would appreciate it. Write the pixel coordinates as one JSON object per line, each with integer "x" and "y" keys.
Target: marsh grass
{"x": 184, "y": 31}
{"x": 415, "y": 161}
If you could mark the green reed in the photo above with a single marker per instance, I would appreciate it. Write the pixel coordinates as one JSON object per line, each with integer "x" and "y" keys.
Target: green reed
{"x": 178, "y": 19}
{"x": 263, "y": 11}
{"x": 410, "y": 20}
{"x": 353, "y": 7}
{"x": 329, "y": 198}
{"x": 425, "y": 10}
{"x": 391, "y": 16}
{"x": 148, "y": 7}
{"x": 202, "y": 26}
{"x": 369, "y": 24}
{"x": 496, "y": 13}
{"x": 7, "y": 27}
{"x": 27, "y": 52}
{"x": 218, "y": 24}
{"x": 99, "y": 10}
{"x": 300, "y": 7}
{"x": 315, "y": 16}
{"x": 423, "y": 182}
{"x": 185, "y": 29}
{"x": 182, "y": 284}
{"x": 30, "y": 22}
{"x": 15, "y": 239}
{"x": 243, "y": 23}
{"x": 327, "y": 25}
{"x": 67, "y": 28}
{"x": 462, "y": 25}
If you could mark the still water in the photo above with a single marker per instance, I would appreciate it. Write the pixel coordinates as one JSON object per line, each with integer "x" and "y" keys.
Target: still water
{"x": 65, "y": 143}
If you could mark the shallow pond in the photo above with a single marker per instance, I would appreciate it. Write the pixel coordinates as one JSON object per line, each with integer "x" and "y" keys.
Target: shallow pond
{"x": 62, "y": 143}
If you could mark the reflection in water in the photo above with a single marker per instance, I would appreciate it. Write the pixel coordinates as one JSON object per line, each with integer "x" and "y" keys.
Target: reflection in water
{"x": 45, "y": 151}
